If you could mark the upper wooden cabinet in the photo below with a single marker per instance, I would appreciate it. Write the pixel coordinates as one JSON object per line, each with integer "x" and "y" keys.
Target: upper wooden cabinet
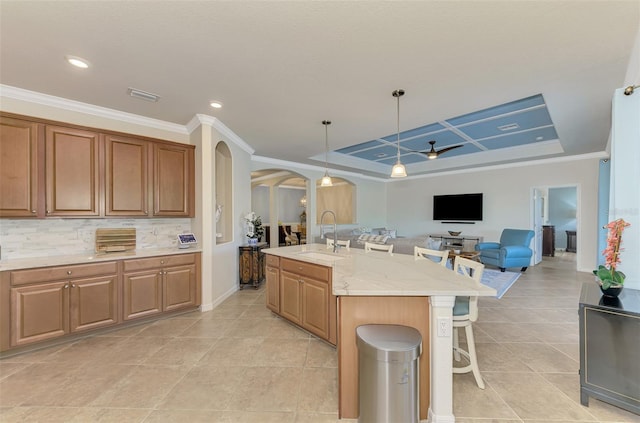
{"x": 72, "y": 172}
{"x": 51, "y": 170}
{"x": 127, "y": 176}
{"x": 19, "y": 162}
{"x": 173, "y": 180}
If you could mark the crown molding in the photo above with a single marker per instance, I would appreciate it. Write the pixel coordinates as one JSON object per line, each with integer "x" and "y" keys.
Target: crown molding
{"x": 90, "y": 109}
{"x": 216, "y": 124}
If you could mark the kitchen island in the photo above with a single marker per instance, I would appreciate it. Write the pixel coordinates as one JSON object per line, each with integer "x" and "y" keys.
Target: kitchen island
{"x": 377, "y": 288}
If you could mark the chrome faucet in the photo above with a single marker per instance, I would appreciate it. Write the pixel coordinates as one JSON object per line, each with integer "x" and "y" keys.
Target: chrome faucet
{"x": 335, "y": 230}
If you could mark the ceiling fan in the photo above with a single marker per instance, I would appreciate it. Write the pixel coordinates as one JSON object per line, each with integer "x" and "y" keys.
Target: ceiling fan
{"x": 433, "y": 154}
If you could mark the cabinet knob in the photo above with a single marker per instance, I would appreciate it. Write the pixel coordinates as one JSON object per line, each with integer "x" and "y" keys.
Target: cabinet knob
{"x": 161, "y": 261}
{"x": 73, "y": 285}
{"x": 33, "y": 211}
{"x": 146, "y": 212}
{"x": 66, "y": 286}
{"x": 48, "y": 211}
{"x": 68, "y": 272}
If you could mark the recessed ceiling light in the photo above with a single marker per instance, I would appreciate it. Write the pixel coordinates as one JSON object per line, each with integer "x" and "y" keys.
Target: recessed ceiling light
{"x": 78, "y": 62}
{"x": 143, "y": 95}
{"x": 216, "y": 104}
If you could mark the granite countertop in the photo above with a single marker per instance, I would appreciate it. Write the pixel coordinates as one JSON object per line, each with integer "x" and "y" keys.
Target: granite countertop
{"x": 89, "y": 257}
{"x": 379, "y": 274}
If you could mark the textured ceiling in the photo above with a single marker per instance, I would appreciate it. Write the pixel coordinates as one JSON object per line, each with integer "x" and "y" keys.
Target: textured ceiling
{"x": 280, "y": 68}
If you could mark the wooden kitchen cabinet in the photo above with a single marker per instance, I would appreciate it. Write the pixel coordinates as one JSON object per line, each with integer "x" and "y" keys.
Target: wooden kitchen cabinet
{"x": 126, "y": 176}
{"x": 306, "y": 297}
{"x": 160, "y": 284}
{"x": 72, "y": 164}
{"x": 51, "y": 302}
{"x": 273, "y": 283}
{"x": 173, "y": 180}
{"x": 51, "y": 169}
{"x": 19, "y": 164}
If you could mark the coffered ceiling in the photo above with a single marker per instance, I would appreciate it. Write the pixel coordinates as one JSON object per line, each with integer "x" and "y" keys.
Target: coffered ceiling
{"x": 280, "y": 68}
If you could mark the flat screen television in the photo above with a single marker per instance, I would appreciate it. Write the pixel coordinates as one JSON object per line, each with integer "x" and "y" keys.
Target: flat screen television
{"x": 457, "y": 207}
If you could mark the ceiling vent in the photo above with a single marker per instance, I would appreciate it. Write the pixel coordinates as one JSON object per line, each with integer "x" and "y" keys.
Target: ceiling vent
{"x": 143, "y": 95}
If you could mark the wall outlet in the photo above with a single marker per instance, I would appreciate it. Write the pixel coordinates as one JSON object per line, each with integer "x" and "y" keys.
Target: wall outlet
{"x": 444, "y": 327}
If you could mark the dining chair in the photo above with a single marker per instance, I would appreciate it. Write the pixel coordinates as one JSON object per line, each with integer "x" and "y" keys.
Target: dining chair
{"x": 426, "y": 253}
{"x": 341, "y": 243}
{"x": 465, "y": 312}
{"x": 288, "y": 238}
{"x": 368, "y": 246}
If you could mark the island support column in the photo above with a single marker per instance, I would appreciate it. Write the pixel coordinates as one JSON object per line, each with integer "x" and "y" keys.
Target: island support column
{"x": 441, "y": 318}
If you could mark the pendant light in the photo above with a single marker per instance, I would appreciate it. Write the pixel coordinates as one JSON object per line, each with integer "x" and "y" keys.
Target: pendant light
{"x": 326, "y": 179}
{"x": 398, "y": 170}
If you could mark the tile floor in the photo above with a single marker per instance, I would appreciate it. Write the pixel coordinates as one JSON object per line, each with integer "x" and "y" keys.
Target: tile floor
{"x": 239, "y": 363}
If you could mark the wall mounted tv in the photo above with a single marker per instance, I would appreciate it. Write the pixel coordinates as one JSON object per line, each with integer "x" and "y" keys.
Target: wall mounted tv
{"x": 457, "y": 207}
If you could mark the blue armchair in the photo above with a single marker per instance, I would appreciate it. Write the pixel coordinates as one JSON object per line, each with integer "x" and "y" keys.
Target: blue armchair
{"x": 512, "y": 250}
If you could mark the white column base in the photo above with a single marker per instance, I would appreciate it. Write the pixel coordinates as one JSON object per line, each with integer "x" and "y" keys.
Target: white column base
{"x": 441, "y": 403}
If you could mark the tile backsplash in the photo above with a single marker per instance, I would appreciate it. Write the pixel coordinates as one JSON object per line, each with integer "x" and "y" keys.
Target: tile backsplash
{"x": 26, "y": 238}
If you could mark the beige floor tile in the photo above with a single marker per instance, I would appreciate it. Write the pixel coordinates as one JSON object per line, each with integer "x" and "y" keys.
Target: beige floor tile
{"x": 542, "y": 358}
{"x": 181, "y": 351}
{"x": 268, "y": 389}
{"x": 257, "y": 311}
{"x": 207, "y": 388}
{"x": 572, "y": 350}
{"x": 507, "y": 332}
{"x": 87, "y": 349}
{"x": 555, "y": 332}
{"x": 143, "y": 387}
{"x": 321, "y": 354}
{"x": 569, "y": 384}
{"x": 495, "y": 357}
{"x": 208, "y": 416}
{"x": 8, "y": 368}
{"x": 281, "y": 353}
{"x": 249, "y": 328}
{"x": 532, "y": 397}
{"x": 471, "y": 420}
{"x": 308, "y": 417}
{"x": 134, "y": 350}
{"x": 281, "y": 329}
{"x": 167, "y": 327}
{"x": 207, "y": 328}
{"x": 232, "y": 352}
{"x": 319, "y": 390}
{"x": 228, "y": 311}
{"x": 471, "y": 401}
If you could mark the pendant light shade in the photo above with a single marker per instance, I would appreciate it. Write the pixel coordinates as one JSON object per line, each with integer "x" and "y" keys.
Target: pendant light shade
{"x": 398, "y": 170}
{"x": 326, "y": 179}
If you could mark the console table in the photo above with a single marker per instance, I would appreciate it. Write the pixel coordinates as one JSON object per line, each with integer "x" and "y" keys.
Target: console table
{"x": 609, "y": 344}
{"x": 251, "y": 262}
{"x": 460, "y": 242}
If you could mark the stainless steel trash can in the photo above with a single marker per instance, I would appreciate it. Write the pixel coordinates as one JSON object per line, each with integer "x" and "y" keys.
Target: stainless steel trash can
{"x": 388, "y": 373}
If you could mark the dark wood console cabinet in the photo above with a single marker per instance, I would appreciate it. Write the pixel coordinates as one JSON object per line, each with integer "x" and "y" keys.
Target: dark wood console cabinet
{"x": 609, "y": 345}
{"x": 251, "y": 262}
{"x": 548, "y": 240}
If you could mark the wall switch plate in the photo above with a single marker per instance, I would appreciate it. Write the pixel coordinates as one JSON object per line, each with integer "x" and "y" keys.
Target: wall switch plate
{"x": 444, "y": 326}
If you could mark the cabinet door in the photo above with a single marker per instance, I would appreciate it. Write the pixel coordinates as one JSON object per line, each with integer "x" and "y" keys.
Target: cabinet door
{"x": 93, "y": 303}
{"x": 315, "y": 307}
{"x": 172, "y": 180}
{"x": 179, "y": 288}
{"x": 39, "y": 312}
{"x": 142, "y": 294}
{"x": 273, "y": 289}
{"x": 18, "y": 168}
{"x": 127, "y": 179}
{"x": 72, "y": 172}
{"x": 290, "y": 305}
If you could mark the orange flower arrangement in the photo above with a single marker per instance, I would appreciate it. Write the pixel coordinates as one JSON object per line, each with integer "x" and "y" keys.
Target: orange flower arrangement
{"x": 610, "y": 276}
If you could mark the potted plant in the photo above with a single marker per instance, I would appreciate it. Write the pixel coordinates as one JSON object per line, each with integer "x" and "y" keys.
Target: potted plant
{"x": 611, "y": 280}
{"x": 254, "y": 228}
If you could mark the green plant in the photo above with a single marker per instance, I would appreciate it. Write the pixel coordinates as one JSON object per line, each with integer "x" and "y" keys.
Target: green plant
{"x": 255, "y": 229}
{"x": 609, "y": 276}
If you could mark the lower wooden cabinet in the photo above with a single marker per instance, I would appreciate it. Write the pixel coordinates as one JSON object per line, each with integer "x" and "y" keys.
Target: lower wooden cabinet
{"x": 273, "y": 283}
{"x": 41, "y": 311}
{"x": 305, "y": 296}
{"x": 160, "y": 284}
{"x": 41, "y": 304}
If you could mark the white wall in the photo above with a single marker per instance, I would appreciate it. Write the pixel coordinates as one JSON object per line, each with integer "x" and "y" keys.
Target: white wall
{"x": 507, "y": 200}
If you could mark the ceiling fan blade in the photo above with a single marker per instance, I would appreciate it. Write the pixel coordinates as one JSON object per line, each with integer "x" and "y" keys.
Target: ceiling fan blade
{"x": 444, "y": 150}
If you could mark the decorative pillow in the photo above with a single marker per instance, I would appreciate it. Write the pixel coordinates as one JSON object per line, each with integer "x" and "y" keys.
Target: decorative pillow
{"x": 391, "y": 233}
{"x": 374, "y": 239}
{"x": 377, "y": 231}
{"x": 433, "y": 244}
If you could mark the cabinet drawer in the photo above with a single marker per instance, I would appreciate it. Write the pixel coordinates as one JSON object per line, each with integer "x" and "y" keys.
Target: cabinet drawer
{"x": 157, "y": 262}
{"x": 306, "y": 269}
{"x": 273, "y": 261}
{"x": 47, "y": 274}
